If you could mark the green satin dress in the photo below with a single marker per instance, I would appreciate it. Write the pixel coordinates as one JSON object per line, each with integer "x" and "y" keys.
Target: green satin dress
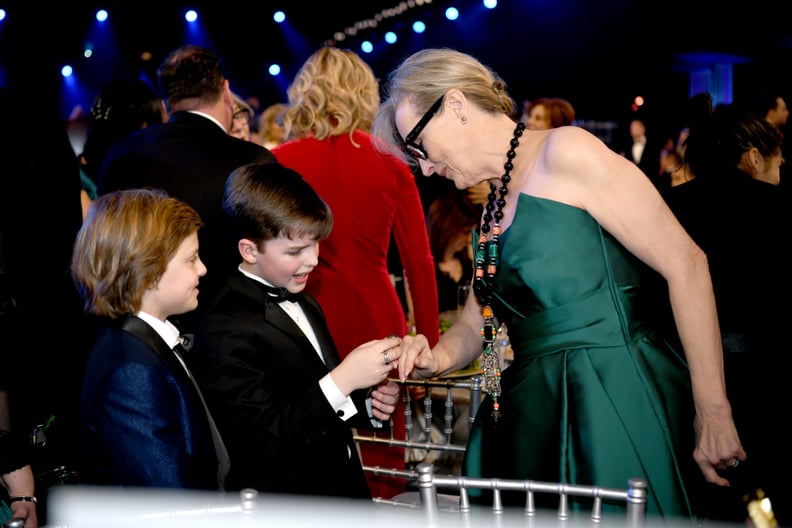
{"x": 594, "y": 396}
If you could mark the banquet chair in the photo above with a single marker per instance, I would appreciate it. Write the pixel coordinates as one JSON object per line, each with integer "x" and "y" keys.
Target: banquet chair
{"x": 635, "y": 496}
{"x": 459, "y": 397}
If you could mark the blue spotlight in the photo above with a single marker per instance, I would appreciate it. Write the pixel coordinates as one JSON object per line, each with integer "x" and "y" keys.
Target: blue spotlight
{"x": 279, "y": 16}
{"x": 67, "y": 71}
{"x": 2, "y": 14}
{"x": 490, "y": 4}
{"x": 101, "y": 15}
{"x": 390, "y": 37}
{"x": 367, "y": 47}
{"x": 274, "y": 70}
{"x": 191, "y": 15}
{"x": 452, "y": 13}
{"x": 419, "y": 27}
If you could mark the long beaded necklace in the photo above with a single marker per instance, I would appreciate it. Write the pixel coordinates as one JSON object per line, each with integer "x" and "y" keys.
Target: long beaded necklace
{"x": 488, "y": 253}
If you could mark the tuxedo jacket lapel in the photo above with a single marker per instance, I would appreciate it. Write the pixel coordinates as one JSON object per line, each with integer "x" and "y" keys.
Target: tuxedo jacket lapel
{"x": 314, "y": 314}
{"x": 277, "y": 317}
{"x": 138, "y": 328}
{"x": 141, "y": 330}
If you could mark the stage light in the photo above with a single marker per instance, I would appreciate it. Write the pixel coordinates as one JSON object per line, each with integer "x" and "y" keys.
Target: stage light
{"x": 419, "y": 27}
{"x": 274, "y": 70}
{"x": 67, "y": 71}
{"x": 2, "y": 14}
{"x": 452, "y": 13}
{"x": 490, "y": 4}
{"x": 279, "y": 16}
{"x": 191, "y": 15}
{"x": 366, "y": 47}
{"x": 101, "y": 15}
{"x": 390, "y": 37}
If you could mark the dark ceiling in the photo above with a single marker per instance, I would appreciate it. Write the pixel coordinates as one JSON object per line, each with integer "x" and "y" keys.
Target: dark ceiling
{"x": 597, "y": 54}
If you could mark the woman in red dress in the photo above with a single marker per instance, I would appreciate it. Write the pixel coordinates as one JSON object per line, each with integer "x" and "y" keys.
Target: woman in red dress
{"x": 333, "y": 100}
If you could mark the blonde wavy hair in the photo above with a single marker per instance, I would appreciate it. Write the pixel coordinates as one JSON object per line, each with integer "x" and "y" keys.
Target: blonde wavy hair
{"x": 426, "y": 75}
{"x": 335, "y": 92}
{"x": 124, "y": 246}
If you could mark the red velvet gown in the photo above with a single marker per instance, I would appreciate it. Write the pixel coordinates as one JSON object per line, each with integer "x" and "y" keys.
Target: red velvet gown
{"x": 370, "y": 195}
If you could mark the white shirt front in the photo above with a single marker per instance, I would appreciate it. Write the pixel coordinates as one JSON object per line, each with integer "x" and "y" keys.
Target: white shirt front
{"x": 637, "y": 149}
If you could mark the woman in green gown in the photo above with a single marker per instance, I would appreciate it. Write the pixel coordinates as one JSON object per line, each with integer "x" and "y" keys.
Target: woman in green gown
{"x": 594, "y": 396}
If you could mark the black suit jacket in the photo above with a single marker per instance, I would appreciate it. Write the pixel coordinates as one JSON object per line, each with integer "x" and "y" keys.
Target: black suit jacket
{"x": 262, "y": 384}
{"x": 189, "y": 157}
{"x": 142, "y": 420}
{"x": 650, "y": 158}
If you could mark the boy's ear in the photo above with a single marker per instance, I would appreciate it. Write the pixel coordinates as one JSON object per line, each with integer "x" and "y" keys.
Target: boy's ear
{"x": 248, "y": 250}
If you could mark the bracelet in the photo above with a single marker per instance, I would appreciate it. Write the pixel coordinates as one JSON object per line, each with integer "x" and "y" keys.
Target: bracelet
{"x": 24, "y": 498}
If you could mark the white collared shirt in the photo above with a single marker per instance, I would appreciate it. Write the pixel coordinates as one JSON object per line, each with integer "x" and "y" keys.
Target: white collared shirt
{"x": 637, "y": 149}
{"x": 210, "y": 118}
{"x": 167, "y": 331}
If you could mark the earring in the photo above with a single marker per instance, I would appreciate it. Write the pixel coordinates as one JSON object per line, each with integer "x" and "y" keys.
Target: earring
{"x": 463, "y": 119}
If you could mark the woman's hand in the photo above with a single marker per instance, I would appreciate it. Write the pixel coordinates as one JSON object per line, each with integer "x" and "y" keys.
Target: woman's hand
{"x": 416, "y": 359}
{"x": 717, "y": 446}
{"x": 21, "y": 483}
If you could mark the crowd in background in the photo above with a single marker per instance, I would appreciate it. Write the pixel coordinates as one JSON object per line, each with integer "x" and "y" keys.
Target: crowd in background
{"x": 721, "y": 172}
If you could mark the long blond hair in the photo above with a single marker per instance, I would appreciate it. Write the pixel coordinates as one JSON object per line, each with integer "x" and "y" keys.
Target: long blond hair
{"x": 335, "y": 92}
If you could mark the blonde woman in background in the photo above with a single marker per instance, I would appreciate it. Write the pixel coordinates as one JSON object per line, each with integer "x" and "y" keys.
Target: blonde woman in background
{"x": 243, "y": 112}
{"x": 270, "y": 126}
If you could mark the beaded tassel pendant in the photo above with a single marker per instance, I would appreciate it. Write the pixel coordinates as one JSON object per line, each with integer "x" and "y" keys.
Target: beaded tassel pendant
{"x": 486, "y": 262}
{"x": 490, "y": 369}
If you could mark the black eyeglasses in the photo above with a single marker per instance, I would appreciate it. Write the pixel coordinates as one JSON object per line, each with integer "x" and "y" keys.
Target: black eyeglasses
{"x": 412, "y": 148}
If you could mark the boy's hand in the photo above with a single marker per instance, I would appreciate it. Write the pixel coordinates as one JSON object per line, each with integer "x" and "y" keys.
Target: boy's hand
{"x": 367, "y": 365}
{"x": 384, "y": 399}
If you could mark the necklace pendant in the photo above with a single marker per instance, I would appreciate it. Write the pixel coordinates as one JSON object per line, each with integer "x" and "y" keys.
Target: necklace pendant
{"x": 490, "y": 368}
{"x": 487, "y": 260}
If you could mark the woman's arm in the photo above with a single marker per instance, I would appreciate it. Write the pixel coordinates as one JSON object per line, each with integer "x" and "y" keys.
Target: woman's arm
{"x": 624, "y": 201}
{"x": 457, "y": 347}
{"x": 21, "y": 486}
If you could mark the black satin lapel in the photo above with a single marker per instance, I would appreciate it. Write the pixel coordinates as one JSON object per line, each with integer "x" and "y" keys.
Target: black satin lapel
{"x": 277, "y": 317}
{"x": 280, "y": 320}
{"x": 140, "y": 329}
{"x": 317, "y": 320}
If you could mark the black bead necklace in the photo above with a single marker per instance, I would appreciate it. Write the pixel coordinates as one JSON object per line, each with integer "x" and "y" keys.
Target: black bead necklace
{"x": 488, "y": 252}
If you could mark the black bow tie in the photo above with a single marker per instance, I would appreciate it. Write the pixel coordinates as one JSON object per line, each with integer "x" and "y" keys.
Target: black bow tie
{"x": 186, "y": 342}
{"x": 281, "y": 294}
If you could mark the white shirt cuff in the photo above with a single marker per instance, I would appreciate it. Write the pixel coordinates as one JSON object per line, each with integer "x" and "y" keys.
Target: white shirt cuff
{"x": 342, "y": 405}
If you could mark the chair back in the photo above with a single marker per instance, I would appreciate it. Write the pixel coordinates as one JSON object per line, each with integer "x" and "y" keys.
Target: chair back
{"x": 634, "y": 495}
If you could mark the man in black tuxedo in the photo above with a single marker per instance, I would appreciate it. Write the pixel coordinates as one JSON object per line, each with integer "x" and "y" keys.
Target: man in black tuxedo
{"x": 190, "y": 156}
{"x": 643, "y": 149}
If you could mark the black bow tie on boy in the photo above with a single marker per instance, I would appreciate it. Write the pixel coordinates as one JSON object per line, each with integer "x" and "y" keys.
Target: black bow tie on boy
{"x": 186, "y": 341}
{"x": 281, "y": 294}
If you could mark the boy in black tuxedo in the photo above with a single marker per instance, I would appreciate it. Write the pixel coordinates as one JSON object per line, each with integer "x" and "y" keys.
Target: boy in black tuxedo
{"x": 283, "y": 402}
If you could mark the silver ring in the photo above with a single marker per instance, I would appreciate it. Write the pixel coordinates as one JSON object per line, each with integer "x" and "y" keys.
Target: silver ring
{"x": 386, "y": 357}
{"x": 733, "y": 464}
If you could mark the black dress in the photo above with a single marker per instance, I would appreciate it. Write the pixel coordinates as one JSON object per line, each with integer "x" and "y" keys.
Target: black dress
{"x": 742, "y": 225}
